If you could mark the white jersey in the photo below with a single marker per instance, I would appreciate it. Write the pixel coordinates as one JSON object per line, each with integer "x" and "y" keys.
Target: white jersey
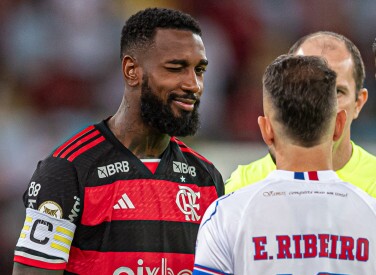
{"x": 291, "y": 223}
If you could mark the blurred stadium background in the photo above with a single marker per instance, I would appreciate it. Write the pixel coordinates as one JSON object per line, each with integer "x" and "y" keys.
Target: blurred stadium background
{"x": 60, "y": 71}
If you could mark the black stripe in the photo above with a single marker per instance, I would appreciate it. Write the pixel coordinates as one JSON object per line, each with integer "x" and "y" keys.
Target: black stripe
{"x": 138, "y": 236}
{"x": 36, "y": 253}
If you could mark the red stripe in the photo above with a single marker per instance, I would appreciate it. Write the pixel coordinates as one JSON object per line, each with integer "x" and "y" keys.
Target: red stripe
{"x": 85, "y": 148}
{"x": 62, "y": 147}
{"x": 152, "y": 200}
{"x": 93, "y": 262}
{"x": 174, "y": 139}
{"x": 39, "y": 264}
{"x": 78, "y": 143}
{"x": 189, "y": 150}
{"x": 312, "y": 175}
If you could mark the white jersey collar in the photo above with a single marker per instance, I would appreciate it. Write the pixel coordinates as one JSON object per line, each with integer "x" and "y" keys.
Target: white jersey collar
{"x": 326, "y": 175}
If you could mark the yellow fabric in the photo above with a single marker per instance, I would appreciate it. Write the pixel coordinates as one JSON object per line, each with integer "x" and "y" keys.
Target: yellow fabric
{"x": 360, "y": 171}
{"x": 250, "y": 173}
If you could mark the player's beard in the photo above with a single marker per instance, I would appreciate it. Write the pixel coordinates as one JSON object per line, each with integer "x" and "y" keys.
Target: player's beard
{"x": 160, "y": 116}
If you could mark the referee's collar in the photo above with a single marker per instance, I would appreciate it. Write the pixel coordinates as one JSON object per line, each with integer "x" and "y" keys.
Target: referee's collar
{"x": 326, "y": 175}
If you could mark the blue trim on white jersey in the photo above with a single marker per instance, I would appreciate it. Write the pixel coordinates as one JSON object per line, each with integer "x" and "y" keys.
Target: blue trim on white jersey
{"x": 215, "y": 209}
{"x": 299, "y": 175}
{"x": 203, "y": 270}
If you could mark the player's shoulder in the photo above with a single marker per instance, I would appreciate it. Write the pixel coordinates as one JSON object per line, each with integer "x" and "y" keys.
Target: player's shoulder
{"x": 186, "y": 154}
{"x": 84, "y": 142}
{"x": 242, "y": 197}
{"x": 188, "y": 151}
{"x": 363, "y": 197}
{"x": 232, "y": 206}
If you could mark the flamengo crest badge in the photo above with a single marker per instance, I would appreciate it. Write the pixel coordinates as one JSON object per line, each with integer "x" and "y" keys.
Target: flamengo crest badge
{"x": 186, "y": 201}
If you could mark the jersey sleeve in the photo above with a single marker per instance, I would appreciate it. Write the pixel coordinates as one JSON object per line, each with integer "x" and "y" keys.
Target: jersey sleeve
{"x": 213, "y": 251}
{"x": 52, "y": 202}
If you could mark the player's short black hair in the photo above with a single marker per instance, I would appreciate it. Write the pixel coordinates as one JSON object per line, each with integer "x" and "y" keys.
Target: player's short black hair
{"x": 302, "y": 91}
{"x": 139, "y": 30}
{"x": 359, "y": 73}
{"x": 374, "y": 47}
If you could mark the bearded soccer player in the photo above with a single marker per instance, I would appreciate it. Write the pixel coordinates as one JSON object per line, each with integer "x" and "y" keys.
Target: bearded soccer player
{"x": 302, "y": 218}
{"x": 126, "y": 196}
{"x": 351, "y": 162}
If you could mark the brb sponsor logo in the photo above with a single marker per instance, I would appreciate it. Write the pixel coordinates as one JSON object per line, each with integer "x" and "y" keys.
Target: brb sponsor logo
{"x": 112, "y": 169}
{"x": 156, "y": 270}
{"x": 183, "y": 168}
{"x": 186, "y": 200}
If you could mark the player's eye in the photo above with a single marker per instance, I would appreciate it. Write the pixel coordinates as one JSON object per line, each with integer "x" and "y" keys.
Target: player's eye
{"x": 200, "y": 70}
{"x": 340, "y": 91}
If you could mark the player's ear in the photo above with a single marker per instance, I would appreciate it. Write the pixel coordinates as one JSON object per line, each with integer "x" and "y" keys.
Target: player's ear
{"x": 361, "y": 99}
{"x": 266, "y": 130}
{"x": 131, "y": 70}
{"x": 340, "y": 124}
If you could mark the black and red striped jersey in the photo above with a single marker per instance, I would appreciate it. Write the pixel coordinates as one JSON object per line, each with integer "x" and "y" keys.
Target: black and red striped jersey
{"x": 92, "y": 207}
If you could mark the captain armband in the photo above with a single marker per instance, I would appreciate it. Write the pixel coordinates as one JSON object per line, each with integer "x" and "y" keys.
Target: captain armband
{"x": 46, "y": 234}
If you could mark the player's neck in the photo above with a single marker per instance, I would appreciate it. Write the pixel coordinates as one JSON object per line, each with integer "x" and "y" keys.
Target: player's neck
{"x": 342, "y": 153}
{"x": 300, "y": 159}
{"x": 142, "y": 140}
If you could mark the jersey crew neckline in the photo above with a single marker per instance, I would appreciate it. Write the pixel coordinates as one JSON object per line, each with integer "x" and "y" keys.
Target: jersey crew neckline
{"x": 151, "y": 164}
{"x": 317, "y": 176}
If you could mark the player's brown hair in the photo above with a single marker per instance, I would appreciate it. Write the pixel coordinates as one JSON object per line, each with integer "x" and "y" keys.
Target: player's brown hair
{"x": 302, "y": 90}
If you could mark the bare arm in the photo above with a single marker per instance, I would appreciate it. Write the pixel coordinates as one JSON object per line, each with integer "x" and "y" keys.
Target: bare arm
{"x": 20, "y": 269}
